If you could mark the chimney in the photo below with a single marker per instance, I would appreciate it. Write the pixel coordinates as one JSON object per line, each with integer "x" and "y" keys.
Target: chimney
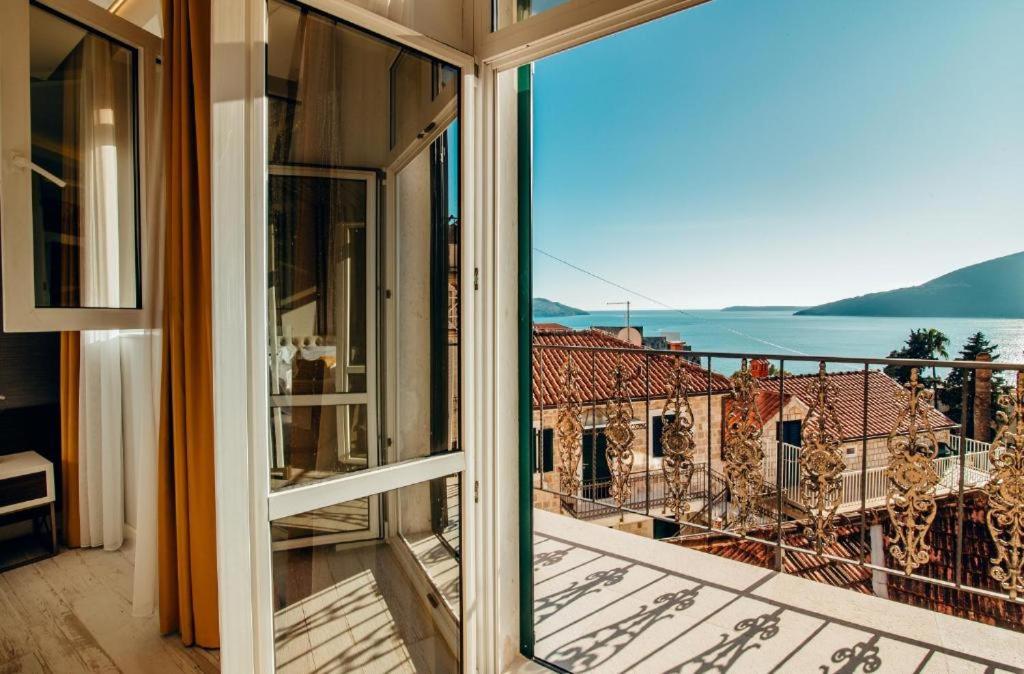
{"x": 675, "y": 346}
{"x": 983, "y": 401}
{"x": 759, "y": 368}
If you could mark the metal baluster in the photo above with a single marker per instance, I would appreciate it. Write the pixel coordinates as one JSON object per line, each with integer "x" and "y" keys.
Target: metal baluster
{"x": 540, "y": 437}
{"x": 593, "y": 425}
{"x": 958, "y": 575}
{"x": 779, "y": 551}
{"x": 864, "y": 465}
{"x": 647, "y": 419}
{"x": 707, "y": 467}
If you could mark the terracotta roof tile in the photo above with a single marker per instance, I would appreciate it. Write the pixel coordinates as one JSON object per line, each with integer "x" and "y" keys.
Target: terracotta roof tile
{"x": 595, "y": 368}
{"x": 883, "y": 405}
{"x": 803, "y": 564}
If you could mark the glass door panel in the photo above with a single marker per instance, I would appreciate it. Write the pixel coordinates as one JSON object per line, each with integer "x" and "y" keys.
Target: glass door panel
{"x": 343, "y": 606}
{"x": 362, "y": 349}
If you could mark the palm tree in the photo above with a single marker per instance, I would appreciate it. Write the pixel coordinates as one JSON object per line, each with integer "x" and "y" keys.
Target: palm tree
{"x": 936, "y": 342}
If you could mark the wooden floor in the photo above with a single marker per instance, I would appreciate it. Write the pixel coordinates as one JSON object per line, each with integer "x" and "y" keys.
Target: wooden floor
{"x": 72, "y": 613}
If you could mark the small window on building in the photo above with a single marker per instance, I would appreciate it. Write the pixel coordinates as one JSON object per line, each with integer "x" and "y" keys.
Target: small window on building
{"x": 545, "y": 458}
{"x": 657, "y": 428}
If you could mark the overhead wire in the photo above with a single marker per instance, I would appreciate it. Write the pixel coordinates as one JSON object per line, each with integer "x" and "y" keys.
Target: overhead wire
{"x": 665, "y": 305}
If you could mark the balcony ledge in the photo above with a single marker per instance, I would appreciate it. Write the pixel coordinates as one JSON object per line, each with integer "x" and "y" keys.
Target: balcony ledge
{"x": 609, "y": 601}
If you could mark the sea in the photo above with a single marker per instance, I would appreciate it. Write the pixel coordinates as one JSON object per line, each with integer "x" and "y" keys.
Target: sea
{"x": 782, "y": 333}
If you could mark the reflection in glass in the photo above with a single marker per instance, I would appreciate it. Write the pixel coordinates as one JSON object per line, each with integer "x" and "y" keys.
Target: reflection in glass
{"x": 430, "y": 524}
{"x": 318, "y": 284}
{"x": 315, "y": 442}
{"x": 85, "y": 214}
{"x": 345, "y": 599}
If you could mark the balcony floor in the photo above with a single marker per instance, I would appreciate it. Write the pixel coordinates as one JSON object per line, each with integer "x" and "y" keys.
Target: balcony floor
{"x": 609, "y": 601}
{"x": 73, "y": 613}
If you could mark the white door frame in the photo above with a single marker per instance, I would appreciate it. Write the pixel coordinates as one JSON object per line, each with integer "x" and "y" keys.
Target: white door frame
{"x": 240, "y": 336}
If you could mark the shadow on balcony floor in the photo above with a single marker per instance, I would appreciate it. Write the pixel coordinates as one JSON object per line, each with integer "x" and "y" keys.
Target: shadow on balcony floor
{"x": 608, "y": 601}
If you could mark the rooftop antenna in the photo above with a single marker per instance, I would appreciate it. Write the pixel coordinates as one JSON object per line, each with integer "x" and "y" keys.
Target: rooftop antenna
{"x": 627, "y": 311}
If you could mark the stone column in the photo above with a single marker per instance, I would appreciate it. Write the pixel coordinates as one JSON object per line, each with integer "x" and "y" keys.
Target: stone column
{"x": 983, "y": 401}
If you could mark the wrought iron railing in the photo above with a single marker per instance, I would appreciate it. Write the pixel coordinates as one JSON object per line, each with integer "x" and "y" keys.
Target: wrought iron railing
{"x": 716, "y": 472}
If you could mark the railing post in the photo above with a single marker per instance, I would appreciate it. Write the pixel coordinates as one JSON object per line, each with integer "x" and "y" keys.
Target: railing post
{"x": 593, "y": 422}
{"x": 864, "y": 466}
{"x": 539, "y": 435}
{"x": 648, "y": 433}
{"x": 709, "y": 495}
{"x": 780, "y": 553}
{"x": 961, "y": 453}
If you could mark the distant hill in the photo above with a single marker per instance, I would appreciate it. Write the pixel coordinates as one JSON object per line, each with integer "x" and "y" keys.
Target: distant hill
{"x": 779, "y": 307}
{"x": 991, "y": 289}
{"x": 543, "y": 308}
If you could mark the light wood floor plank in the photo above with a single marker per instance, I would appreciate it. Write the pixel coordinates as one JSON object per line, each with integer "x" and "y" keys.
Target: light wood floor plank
{"x": 72, "y": 613}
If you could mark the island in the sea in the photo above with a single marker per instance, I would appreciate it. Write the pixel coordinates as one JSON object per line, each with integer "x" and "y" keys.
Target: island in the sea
{"x": 769, "y": 307}
{"x": 990, "y": 289}
{"x": 544, "y": 308}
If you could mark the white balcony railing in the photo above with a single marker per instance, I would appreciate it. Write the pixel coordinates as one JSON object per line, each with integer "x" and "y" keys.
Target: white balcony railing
{"x": 976, "y": 473}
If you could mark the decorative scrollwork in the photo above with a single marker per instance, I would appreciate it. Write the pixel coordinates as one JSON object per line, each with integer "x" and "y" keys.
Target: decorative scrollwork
{"x": 912, "y": 477}
{"x": 1005, "y": 490}
{"x": 743, "y": 453}
{"x": 677, "y": 442}
{"x": 620, "y": 435}
{"x": 821, "y": 462}
{"x": 570, "y": 435}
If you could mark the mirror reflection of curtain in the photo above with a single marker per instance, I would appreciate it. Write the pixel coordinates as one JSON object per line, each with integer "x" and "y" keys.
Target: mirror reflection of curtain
{"x": 106, "y": 192}
{"x": 315, "y": 134}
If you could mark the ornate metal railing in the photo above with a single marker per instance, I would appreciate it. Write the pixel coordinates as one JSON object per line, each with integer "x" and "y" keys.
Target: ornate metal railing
{"x": 714, "y": 468}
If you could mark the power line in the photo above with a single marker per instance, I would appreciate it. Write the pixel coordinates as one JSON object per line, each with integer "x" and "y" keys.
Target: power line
{"x": 666, "y": 305}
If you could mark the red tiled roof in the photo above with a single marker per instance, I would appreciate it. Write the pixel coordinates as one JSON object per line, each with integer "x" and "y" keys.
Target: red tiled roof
{"x": 977, "y": 551}
{"x": 766, "y": 402}
{"x": 551, "y": 327}
{"x": 549, "y": 368}
{"x": 804, "y": 564}
{"x": 883, "y": 405}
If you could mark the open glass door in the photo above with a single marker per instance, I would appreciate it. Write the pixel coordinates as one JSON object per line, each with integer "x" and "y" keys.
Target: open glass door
{"x": 322, "y": 326}
{"x": 362, "y": 329}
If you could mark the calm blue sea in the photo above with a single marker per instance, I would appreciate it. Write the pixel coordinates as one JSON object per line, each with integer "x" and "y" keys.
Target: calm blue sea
{"x": 740, "y": 331}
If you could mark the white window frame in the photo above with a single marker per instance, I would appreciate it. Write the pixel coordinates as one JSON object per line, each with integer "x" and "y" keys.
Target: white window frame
{"x": 245, "y": 505}
{"x": 20, "y": 311}
{"x": 489, "y": 271}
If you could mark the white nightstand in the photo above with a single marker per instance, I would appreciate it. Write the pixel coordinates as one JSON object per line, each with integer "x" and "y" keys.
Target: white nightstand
{"x": 26, "y": 483}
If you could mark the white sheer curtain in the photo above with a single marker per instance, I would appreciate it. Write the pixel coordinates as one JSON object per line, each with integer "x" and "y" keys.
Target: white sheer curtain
{"x": 118, "y": 384}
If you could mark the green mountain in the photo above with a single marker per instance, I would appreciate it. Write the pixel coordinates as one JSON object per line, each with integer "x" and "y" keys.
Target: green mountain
{"x": 543, "y": 308}
{"x": 991, "y": 289}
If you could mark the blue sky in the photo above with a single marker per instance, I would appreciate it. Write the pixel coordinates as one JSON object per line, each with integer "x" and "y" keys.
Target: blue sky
{"x": 781, "y": 152}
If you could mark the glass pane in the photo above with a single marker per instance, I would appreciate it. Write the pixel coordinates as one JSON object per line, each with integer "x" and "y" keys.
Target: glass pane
{"x": 316, "y": 442}
{"x": 84, "y": 186}
{"x": 427, "y": 306}
{"x": 430, "y": 524}
{"x": 317, "y": 276}
{"x": 355, "y": 602}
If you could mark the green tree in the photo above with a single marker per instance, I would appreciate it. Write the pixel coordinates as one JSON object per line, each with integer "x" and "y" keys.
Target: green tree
{"x": 922, "y": 344}
{"x": 953, "y": 389}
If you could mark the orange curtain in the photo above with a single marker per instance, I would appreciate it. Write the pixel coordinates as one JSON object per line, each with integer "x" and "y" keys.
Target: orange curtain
{"x": 69, "y": 353}
{"x": 187, "y": 534}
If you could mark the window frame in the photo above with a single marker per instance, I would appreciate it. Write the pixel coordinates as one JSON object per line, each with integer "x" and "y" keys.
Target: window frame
{"x": 18, "y": 260}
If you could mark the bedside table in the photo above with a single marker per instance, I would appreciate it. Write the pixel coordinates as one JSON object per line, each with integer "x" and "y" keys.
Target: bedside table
{"x": 26, "y": 484}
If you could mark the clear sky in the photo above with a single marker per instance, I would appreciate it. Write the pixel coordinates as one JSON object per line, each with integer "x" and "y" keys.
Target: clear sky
{"x": 781, "y": 152}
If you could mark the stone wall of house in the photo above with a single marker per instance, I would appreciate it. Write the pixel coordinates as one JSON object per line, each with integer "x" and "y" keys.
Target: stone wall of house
{"x": 643, "y": 442}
